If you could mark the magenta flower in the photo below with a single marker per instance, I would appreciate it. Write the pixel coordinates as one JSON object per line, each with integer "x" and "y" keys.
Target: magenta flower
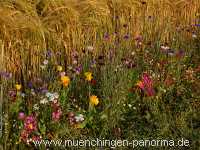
{"x": 56, "y": 115}
{"x": 21, "y": 116}
{"x": 30, "y": 124}
{"x": 146, "y": 85}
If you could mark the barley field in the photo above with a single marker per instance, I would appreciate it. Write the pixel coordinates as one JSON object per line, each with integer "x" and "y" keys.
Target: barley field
{"x": 99, "y": 69}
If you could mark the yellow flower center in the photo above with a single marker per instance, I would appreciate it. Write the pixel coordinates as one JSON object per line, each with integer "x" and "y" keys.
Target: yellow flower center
{"x": 30, "y": 126}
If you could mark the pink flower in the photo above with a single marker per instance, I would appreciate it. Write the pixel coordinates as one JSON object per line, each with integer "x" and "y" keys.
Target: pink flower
{"x": 30, "y": 124}
{"x": 146, "y": 85}
{"x": 56, "y": 115}
{"x": 21, "y": 116}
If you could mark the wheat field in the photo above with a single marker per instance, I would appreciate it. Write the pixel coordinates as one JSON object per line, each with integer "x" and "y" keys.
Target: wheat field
{"x": 126, "y": 68}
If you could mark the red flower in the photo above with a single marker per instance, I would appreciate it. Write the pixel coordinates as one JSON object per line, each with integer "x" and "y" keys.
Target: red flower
{"x": 93, "y": 82}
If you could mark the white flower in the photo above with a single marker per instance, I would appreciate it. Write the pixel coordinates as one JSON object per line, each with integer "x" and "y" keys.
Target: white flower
{"x": 33, "y": 92}
{"x": 52, "y": 96}
{"x": 194, "y": 35}
{"x": 165, "y": 47}
{"x": 129, "y": 105}
{"x": 45, "y": 62}
{"x": 35, "y": 107}
{"x": 133, "y": 53}
{"x": 56, "y": 95}
{"x": 90, "y": 48}
{"x": 44, "y": 101}
{"x": 23, "y": 94}
{"x": 48, "y": 94}
{"x": 79, "y": 118}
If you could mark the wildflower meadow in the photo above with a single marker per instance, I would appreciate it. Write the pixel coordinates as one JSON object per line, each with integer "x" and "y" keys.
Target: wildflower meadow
{"x": 104, "y": 70}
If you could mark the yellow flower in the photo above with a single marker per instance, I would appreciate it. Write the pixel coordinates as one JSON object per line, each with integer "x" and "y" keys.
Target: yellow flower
{"x": 18, "y": 87}
{"x": 88, "y": 76}
{"x": 94, "y": 100}
{"x": 65, "y": 80}
{"x": 59, "y": 68}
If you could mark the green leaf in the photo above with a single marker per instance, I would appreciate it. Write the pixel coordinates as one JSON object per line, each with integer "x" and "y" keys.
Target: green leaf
{"x": 42, "y": 128}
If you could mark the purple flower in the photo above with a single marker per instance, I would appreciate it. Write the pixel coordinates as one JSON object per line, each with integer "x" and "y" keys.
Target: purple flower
{"x": 78, "y": 69}
{"x": 93, "y": 63}
{"x": 126, "y": 37}
{"x": 197, "y": 25}
{"x": 6, "y": 75}
{"x": 180, "y": 53}
{"x": 106, "y": 36}
{"x": 42, "y": 90}
{"x": 49, "y": 53}
{"x": 30, "y": 85}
